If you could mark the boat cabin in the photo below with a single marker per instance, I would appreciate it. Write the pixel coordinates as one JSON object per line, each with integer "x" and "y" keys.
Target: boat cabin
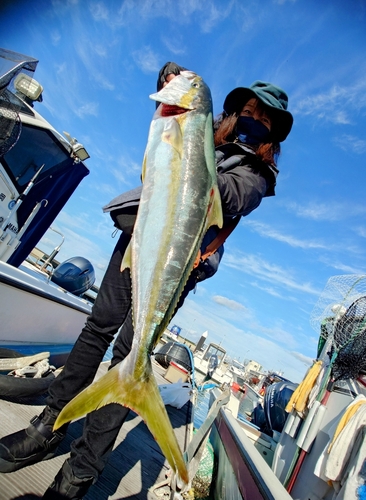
{"x": 39, "y": 168}
{"x": 216, "y": 350}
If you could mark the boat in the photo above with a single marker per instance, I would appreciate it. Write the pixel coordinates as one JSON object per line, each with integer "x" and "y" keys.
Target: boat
{"x": 211, "y": 365}
{"x": 39, "y": 171}
{"x": 175, "y": 352}
{"x": 314, "y": 445}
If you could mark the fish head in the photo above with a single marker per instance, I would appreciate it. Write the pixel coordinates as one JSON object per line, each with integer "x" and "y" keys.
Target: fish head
{"x": 186, "y": 92}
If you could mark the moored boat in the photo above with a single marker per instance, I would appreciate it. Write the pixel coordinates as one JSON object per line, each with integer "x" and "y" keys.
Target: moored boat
{"x": 211, "y": 365}
{"x": 319, "y": 452}
{"x": 39, "y": 171}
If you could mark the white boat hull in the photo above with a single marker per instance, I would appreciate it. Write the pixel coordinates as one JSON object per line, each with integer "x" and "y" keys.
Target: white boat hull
{"x": 34, "y": 310}
{"x": 242, "y": 472}
{"x": 251, "y": 465}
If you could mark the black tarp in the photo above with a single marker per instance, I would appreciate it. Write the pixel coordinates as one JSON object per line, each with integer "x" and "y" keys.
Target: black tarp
{"x": 176, "y": 352}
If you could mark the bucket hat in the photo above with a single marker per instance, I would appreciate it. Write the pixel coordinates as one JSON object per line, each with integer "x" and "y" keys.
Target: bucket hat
{"x": 275, "y": 100}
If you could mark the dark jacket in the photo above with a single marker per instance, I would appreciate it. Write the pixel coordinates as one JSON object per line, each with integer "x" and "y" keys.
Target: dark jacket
{"x": 243, "y": 181}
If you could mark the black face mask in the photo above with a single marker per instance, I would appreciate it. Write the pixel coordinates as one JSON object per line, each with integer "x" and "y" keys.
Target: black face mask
{"x": 251, "y": 131}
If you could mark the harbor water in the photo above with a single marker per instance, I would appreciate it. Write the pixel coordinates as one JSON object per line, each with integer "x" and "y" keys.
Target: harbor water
{"x": 247, "y": 403}
{"x": 201, "y": 408}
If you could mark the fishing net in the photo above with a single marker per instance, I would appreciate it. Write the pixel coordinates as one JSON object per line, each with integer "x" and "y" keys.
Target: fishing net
{"x": 340, "y": 316}
{"x": 10, "y": 124}
{"x": 201, "y": 482}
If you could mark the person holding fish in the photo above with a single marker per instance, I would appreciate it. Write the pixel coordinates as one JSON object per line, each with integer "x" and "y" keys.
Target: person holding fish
{"x": 215, "y": 175}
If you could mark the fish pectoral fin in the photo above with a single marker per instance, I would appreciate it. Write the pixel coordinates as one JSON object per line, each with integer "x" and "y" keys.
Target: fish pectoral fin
{"x": 151, "y": 408}
{"x": 172, "y": 135}
{"x": 215, "y": 217}
{"x": 126, "y": 260}
{"x": 100, "y": 393}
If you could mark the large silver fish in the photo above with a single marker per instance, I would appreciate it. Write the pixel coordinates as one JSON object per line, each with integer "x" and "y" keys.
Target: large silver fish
{"x": 179, "y": 202}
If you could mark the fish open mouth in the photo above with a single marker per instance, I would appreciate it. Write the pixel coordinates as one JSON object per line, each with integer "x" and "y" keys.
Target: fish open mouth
{"x": 171, "y": 110}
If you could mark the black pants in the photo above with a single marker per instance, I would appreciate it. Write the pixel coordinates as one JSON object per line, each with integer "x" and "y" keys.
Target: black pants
{"x": 112, "y": 309}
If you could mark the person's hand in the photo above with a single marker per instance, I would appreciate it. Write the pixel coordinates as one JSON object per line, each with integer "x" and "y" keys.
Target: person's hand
{"x": 168, "y": 79}
{"x": 167, "y": 73}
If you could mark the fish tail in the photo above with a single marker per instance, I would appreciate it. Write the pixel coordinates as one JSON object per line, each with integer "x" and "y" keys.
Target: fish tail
{"x": 96, "y": 395}
{"x": 141, "y": 395}
{"x": 152, "y": 409}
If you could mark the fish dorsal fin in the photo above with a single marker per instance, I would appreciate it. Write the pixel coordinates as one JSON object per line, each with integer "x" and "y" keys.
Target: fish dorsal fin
{"x": 126, "y": 260}
{"x": 143, "y": 170}
{"x": 214, "y": 216}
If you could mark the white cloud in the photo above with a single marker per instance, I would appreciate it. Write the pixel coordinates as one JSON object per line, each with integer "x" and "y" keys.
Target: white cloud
{"x": 361, "y": 231}
{"x": 103, "y": 82}
{"x": 282, "y": 2}
{"x": 268, "y": 231}
{"x": 330, "y": 211}
{"x": 125, "y": 168}
{"x": 146, "y": 60}
{"x": 272, "y": 291}
{"x": 55, "y": 37}
{"x": 99, "y": 11}
{"x": 337, "y": 105}
{"x": 90, "y": 52}
{"x": 268, "y": 346}
{"x": 304, "y": 359}
{"x": 344, "y": 268}
{"x": 215, "y": 15}
{"x": 230, "y": 304}
{"x": 175, "y": 46}
{"x": 254, "y": 265}
{"x": 87, "y": 109}
{"x": 350, "y": 143}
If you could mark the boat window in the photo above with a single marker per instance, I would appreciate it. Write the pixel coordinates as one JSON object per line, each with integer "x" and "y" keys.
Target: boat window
{"x": 19, "y": 104}
{"x": 214, "y": 350}
{"x": 34, "y": 148}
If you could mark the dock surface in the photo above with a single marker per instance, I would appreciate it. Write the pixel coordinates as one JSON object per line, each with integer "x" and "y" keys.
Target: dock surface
{"x": 134, "y": 467}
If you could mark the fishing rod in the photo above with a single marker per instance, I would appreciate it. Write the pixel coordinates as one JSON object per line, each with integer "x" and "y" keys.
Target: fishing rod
{"x": 20, "y": 199}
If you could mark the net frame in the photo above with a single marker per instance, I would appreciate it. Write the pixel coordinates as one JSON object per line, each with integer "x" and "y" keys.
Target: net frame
{"x": 340, "y": 316}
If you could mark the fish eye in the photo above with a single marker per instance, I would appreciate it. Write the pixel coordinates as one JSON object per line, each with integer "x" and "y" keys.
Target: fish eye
{"x": 196, "y": 85}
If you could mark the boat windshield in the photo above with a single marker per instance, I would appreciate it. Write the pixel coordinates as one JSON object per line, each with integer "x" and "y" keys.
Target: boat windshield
{"x": 35, "y": 147}
{"x": 11, "y": 63}
{"x": 212, "y": 349}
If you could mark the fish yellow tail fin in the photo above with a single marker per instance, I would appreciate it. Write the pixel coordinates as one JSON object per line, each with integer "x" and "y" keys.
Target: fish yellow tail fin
{"x": 143, "y": 397}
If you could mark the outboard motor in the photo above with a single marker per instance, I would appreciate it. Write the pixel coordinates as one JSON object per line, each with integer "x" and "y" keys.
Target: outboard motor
{"x": 76, "y": 275}
{"x": 258, "y": 418}
{"x": 275, "y": 401}
{"x": 212, "y": 365}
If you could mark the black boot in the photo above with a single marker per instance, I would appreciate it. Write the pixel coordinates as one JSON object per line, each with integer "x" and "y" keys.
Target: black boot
{"x": 31, "y": 445}
{"x": 67, "y": 486}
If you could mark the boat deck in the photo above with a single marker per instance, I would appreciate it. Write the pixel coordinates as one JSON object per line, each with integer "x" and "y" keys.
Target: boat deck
{"x": 135, "y": 466}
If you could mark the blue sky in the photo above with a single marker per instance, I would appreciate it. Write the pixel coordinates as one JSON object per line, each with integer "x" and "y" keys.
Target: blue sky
{"x": 99, "y": 63}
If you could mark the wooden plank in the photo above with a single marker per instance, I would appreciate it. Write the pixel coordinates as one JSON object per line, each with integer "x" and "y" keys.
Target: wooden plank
{"x": 134, "y": 467}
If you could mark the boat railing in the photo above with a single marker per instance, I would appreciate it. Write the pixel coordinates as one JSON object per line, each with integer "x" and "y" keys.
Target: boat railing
{"x": 44, "y": 262}
{"x": 54, "y": 252}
